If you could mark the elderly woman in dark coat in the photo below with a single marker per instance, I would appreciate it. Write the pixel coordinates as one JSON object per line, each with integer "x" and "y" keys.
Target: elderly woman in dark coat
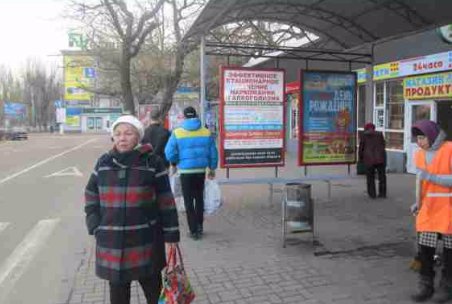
{"x": 131, "y": 212}
{"x": 372, "y": 152}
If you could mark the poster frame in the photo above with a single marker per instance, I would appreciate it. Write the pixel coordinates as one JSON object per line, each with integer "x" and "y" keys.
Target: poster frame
{"x": 221, "y": 114}
{"x": 302, "y": 72}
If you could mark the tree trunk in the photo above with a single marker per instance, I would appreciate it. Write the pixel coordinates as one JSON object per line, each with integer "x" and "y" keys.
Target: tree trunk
{"x": 173, "y": 81}
{"x": 126, "y": 86}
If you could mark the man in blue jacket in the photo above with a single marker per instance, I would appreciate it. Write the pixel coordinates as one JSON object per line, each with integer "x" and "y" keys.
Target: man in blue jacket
{"x": 192, "y": 148}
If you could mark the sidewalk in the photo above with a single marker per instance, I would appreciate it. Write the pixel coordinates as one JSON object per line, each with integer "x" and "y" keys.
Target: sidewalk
{"x": 363, "y": 256}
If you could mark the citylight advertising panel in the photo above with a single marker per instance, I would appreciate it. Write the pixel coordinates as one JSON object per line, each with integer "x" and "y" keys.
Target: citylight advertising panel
{"x": 252, "y": 117}
{"x": 73, "y": 117}
{"x": 79, "y": 72}
{"x": 328, "y": 118}
{"x": 15, "y": 111}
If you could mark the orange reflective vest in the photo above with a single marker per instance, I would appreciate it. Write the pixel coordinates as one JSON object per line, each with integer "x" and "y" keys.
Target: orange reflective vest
{"x": 435, "y": 214}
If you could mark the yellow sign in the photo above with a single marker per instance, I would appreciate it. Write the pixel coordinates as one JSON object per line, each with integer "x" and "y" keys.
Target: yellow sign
{"x": 386, "y": 70}
{"x": 79, "y": 73}
{"x": 73, "y": 121}
{"x": 428, "y": 86}
{"x": 361, "y": 75}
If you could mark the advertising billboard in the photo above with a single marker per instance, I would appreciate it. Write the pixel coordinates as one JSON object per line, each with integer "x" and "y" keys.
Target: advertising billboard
{"x": 79, "y": 72}
{"x": 252, "y": 117}
{"x": 15, "y": 111}
{"x": 73, "y": 117}
{"x": 327, "y": 122}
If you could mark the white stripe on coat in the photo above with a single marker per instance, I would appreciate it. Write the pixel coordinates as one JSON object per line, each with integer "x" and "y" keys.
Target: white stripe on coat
{"x": 127, "y": 228}
{"x": 439, "y": 194}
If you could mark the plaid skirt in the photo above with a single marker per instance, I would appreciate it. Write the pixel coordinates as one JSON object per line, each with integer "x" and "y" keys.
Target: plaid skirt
{"x": 430, "y": 239}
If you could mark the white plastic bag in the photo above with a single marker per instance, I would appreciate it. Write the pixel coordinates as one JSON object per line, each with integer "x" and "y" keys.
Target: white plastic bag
{"x": 176, "y": 186}
{"x": 212, "y": 197}
{"x": 180, "y": 204}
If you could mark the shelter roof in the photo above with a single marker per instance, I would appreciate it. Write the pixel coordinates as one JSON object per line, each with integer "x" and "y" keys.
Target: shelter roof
{"x": 340, "y": 24}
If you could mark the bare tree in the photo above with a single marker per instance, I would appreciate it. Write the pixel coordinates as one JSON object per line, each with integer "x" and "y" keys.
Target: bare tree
{"x": 41, "y": 88}
{"x": 113, "y": 20}
{"x": 182, "y": 13}
{"x": 10, "y": 89}
{"x": 10, "y": 86}
{"x": 149, "y": 60}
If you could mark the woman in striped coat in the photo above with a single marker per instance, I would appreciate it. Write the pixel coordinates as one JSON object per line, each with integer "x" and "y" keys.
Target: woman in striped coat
{"x": 131, "y": 212}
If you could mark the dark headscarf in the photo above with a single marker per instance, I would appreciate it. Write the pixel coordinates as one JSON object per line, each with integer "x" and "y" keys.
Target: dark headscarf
{"x": 426, "y": 127}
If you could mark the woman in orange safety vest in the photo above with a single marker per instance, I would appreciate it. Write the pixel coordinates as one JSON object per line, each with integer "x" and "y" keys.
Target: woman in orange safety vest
{"x": 434, "y": 218}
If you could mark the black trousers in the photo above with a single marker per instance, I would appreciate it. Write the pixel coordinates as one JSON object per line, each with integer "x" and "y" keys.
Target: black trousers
{"x": 426, "y": 255}
{"x": 193, "y": 192}
{"x": 370, "y": 176}
{"x": 120, "y": 292}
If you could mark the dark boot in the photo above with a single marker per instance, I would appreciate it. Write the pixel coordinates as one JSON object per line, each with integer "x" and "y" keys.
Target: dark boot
{"x": 425, "y": 289}
{"x": 444, "y": 293}
{"x": 370, "y": 179}
{"x": 381, "y": 181}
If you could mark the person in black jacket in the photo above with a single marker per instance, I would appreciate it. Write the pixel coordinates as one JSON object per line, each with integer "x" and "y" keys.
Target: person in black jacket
{"x": 372, "y": 152}
{"x": 157, "y": 135}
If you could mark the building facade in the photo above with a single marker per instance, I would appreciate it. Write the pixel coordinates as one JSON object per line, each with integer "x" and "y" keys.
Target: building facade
{"x": 411, "y": 80}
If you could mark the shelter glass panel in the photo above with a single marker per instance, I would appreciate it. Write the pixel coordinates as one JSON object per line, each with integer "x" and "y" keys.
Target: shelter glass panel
{"x": 394, "y": 140}
{"x": 395, "y": 105}
{"x": 379, "y": 94}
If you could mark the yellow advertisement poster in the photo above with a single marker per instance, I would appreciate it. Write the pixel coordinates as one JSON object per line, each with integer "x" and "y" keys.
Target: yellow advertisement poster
{"x": 73, "y": 121}
{"x": 79, "y": 73}
{"x": 428, "y": 86}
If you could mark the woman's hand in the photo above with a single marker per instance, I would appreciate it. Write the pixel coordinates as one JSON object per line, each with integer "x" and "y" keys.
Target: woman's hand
{"x": 211, "y": 174}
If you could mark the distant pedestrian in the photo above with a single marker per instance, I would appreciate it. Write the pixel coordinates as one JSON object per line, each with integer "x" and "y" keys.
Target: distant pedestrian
{"x": 434, "y": 209}
{"x": 157, "y": 135}
{"x": 131, "y": 212}
{"x": 192, "y": 149}
{"x": 372, "y": 152}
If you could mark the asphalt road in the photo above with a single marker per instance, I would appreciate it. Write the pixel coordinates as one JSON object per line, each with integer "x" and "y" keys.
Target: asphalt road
{"x": 42, "y": 230}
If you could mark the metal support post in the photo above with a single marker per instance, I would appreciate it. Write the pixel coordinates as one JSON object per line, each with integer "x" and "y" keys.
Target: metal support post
{"x": 283, "y": 218}
{"x": 203, "y": 79}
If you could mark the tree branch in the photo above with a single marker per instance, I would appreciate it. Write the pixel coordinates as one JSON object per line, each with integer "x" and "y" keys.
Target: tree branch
{"x": 115, "y": 19}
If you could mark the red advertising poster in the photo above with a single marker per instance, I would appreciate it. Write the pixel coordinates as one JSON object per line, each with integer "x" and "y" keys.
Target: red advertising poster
{"x": 327, "y": 118}
{"x": 252, "y": 117}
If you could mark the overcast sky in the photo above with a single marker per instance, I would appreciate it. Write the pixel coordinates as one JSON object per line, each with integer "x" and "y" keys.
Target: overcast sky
{"x": 31, "y": 28}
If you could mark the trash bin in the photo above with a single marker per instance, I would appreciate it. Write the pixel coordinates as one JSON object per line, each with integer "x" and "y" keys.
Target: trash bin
{"x": 297, "y": 209}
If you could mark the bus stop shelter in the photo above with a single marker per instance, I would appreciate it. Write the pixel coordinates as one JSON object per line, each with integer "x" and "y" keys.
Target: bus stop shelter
{"x": 348, "y": 30}
{"x": 340, "y": 24}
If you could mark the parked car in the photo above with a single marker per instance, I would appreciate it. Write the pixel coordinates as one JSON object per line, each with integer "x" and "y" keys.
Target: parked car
{"x": 16, "y": 133}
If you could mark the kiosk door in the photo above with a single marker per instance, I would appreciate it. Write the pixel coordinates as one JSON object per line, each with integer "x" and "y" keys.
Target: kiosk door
{"x": 445, "y": 116}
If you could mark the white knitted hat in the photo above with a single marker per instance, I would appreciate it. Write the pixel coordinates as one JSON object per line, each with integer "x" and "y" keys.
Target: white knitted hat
{"x": 131, "y": 120}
